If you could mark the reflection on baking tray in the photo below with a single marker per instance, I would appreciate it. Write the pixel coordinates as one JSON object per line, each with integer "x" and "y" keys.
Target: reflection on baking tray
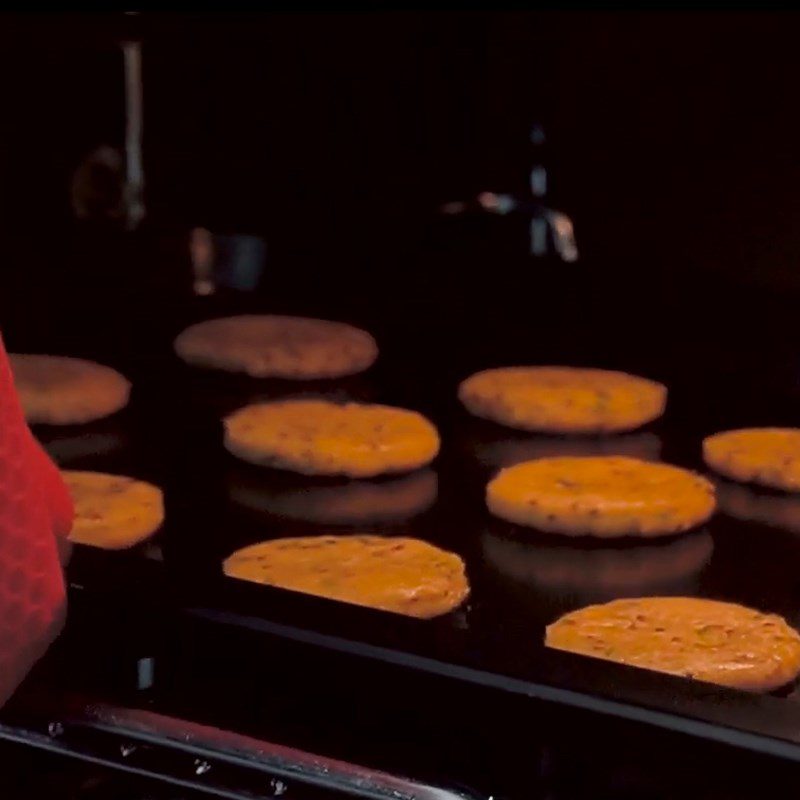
{"x": 153, "y": 551}
{"x": 220, "y": 394}
{"x": 500, "y": 448}
{"x": 597, "y": 571}
{"x": 751, "y": 504}
{"x": 351, "y": 502}
{"x": 69, "y": 448}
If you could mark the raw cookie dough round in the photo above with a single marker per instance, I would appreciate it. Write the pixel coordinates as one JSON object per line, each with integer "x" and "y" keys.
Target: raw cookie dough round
{"x": 604, "y": 496}
{"x": 268, "y": 346}
{"x": 113, "y": 512}
{"x": 707, "y": 640}
{"x": 563, "y": 399}
{"x": 317, "y": 437}
{"x": 406, "y": 576}
{"x": 766, "y": 456}
{"x": 58, "y": 390}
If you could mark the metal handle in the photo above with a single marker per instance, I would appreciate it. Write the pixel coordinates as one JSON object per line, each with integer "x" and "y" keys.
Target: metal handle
{"x": 198, "y": 756}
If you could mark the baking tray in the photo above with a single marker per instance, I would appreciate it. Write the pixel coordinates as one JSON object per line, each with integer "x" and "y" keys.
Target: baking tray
{"x": 462, "y": 311}
{"x": 171, "y": 434}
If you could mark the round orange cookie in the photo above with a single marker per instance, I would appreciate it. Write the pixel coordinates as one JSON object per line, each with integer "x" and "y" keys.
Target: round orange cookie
{"x": 767, "y": 456}
{"x": 563, "y": 399}
{"x": 406, "y": 576}
{"x": 704, "y": 639}
{"x": 278, "y": 347}
{"x": 317, "y": 437}
{"x": 57, "y": 390}
{"x": 113, "y": 512}
{"x": 604, "y": 496}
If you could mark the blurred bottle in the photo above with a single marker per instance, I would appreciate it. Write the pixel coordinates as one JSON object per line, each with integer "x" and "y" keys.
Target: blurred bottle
{"x": 108, "y": 184}
{"x": 225, "y": 261}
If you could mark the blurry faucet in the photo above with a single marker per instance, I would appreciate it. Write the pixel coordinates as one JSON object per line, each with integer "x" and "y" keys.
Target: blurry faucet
{"x": 546, "y": 224}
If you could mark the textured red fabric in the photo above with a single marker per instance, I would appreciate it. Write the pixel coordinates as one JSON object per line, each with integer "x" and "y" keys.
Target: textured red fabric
{"x": 58, "y": 501}
{"x": 34, "y": 507}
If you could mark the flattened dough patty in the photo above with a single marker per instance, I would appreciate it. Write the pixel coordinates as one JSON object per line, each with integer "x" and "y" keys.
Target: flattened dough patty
{"x": 766, "y": 456}
{"x": 708, "y": 640}
{"x": 317, "y": 437}
{"x": 58, "y": 390}
{"x": 406, "y": 576}
{"x": 113, "y": 512}
{"x": 603, "y": 496}
{"x": 278, "y": 347}
{"x": 563, "y": 399}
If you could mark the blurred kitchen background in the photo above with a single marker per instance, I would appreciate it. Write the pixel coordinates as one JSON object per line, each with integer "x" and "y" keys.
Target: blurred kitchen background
{"x": 672, "y": 142}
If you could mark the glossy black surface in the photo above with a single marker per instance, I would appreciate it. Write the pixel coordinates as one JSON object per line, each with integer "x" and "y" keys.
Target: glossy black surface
{"x": 725, "y": 354}
{"x": 455, "y": 735}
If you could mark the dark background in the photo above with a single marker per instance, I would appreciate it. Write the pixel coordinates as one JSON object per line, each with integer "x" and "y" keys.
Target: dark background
{"x": 673, "y": 143}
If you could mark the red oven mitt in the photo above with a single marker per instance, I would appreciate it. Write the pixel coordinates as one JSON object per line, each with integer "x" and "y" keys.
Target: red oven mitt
{"x": 35, "y": 508}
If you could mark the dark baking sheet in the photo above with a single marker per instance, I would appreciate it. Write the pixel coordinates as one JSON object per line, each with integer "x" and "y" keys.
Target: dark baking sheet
{"x": 728, "y": 356}
{"x": 521, "y": 580}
